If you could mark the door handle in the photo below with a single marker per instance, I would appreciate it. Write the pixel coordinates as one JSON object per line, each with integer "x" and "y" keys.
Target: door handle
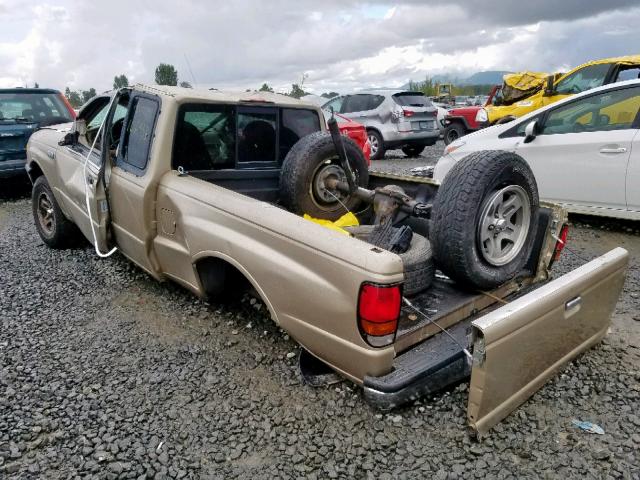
{"x": 613, "y": 150}
{"x": 572, "y": 306}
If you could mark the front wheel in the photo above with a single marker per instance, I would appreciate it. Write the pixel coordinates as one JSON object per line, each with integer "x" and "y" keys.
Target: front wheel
{"x": 413, "y": 150}
{"x": 453, "y": 132}
{"x": 484, "y": 219}
{"x": 54, "y": 228}
{"x": 377, "y": 145}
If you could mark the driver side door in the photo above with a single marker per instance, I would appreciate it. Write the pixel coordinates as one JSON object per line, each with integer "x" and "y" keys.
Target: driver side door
{"x": 580, "y": 155}
{"x": 79, "y": 168}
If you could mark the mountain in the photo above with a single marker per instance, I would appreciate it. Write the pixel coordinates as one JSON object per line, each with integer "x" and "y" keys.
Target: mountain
{"x": 492, "y": 77}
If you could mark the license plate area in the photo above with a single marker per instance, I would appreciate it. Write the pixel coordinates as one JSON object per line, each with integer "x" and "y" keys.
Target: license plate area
{"x": 422, "y": 125}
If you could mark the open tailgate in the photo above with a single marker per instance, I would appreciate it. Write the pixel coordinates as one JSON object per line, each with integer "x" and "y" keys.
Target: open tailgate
{"x": 519, "y": 346}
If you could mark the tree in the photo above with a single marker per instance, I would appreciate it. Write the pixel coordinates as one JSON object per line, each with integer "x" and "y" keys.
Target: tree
{"x": 329, "y": 94}
{"x": 296, "y": 91}
{"x": 265, "y": 88}
{"x": 185, "y": 84}
{"x": 36, "y": 85}
{"x": 74, "y": 97}
{"x": 88, "y": 95}
{"x": 166, "y": 75}
{"x": 120, "y": 81}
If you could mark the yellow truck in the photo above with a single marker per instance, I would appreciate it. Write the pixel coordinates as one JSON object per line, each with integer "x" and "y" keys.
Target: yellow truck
{"x": 527, "y": 91}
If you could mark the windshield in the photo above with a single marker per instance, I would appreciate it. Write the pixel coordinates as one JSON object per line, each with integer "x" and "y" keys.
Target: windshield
{"x": 33, "y": 108}
{"x": 584, "y": 79}
{"x": 412, "y": 99}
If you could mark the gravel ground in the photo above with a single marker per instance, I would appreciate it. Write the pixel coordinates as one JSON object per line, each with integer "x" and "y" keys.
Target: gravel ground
{"x": 106, "y": 373}
{"x": 397, "y": 162}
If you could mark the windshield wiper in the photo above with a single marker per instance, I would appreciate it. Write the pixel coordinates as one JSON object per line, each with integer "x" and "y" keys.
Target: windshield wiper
{"x": 17, "y": 120}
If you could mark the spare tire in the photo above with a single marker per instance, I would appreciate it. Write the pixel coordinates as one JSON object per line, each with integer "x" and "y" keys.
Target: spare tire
{"x": 483, "y": 219}
{"x": 417, "y": 261}
{"x": 311, "y": 160}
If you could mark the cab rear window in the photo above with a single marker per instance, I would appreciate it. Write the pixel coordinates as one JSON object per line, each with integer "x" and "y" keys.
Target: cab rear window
{"x": 295, "y": 124}
{"x": 219, "y": 137}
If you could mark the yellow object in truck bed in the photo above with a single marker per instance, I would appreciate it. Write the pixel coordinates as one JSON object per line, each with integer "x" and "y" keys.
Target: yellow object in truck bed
{"x": 347, "y": 220}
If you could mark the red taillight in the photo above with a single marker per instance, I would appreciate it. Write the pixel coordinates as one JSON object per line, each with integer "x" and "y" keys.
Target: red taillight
{"x": 378, "y": 312}
{"x": 408, "y": 113}
{"x": 562, "y": 240}
{"x": 560, "y": 243}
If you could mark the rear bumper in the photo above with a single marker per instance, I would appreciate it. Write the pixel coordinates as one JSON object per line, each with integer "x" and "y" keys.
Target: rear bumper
{"x": 427, "y": 368}
{"x": 395, "y": 138}
{"x": 12, "y": 168}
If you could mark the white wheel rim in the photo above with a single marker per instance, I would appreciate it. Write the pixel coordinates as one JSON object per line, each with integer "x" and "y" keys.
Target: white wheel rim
{"x": 373, "y": 143}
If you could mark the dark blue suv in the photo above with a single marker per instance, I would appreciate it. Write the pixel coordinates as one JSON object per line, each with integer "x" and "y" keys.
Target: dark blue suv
{"x": 22, "y": 112}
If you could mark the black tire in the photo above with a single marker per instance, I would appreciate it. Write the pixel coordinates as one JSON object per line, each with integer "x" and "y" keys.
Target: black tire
{"x": 307, "y": 159}
{"x": 453, "y": 132}
{"x": 413, "y": 150}
{"x": 373, "y": 134}
{"x": 54, "y": 228}
{"x": 460, "y": 203}
{"x": 417, "y": 261}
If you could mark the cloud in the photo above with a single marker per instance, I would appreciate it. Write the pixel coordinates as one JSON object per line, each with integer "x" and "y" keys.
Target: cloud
{"x": 341, "y": 45}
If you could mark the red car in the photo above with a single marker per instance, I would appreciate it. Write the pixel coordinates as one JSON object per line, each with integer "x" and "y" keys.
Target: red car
{"x": 460, "y": 121}
{"x": 355, "y": 131}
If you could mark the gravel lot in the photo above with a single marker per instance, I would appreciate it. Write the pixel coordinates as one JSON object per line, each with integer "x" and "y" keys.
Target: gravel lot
{"x": 107, "y": 373}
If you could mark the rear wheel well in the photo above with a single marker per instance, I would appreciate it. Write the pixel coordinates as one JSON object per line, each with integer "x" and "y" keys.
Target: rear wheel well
{"x": 221, "y": 281}
{"x": 374, "y": 129}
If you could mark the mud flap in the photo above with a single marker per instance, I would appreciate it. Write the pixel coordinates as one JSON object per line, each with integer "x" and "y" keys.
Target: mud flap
{"x": 519, "y": 346}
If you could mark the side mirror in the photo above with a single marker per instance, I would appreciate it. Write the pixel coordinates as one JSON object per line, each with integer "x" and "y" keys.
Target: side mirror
{"x": 549, "y": 90}
{"x": 530, "y": 131}
{"x": 69, "y": 139}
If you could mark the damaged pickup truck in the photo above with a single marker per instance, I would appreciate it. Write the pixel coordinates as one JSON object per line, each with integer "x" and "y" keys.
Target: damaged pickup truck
{"x": 434, "y": 284}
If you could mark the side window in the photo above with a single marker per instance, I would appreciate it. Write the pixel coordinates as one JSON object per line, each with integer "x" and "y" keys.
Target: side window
{"x": 612, "y": 110}
{"x": 335, "y": 103}
{"x": 205, "y": 137}
{"x": 295, "y": 124}
{"x": 518, "y": 130}
{"x": 631, "y": 73}
{"x": 138, "y": 135}
{"x": 584, "y": 79}
{"x": 356, "y": 103}
{"x": 375, "y": 101}
{"x": 256, "y": 133}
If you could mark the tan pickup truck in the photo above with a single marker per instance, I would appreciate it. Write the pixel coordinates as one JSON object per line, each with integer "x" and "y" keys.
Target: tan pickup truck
{"x": 437, "y": 283}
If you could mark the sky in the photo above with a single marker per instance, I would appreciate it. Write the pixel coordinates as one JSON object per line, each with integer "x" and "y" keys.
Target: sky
{"x": 334, "y": 45}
